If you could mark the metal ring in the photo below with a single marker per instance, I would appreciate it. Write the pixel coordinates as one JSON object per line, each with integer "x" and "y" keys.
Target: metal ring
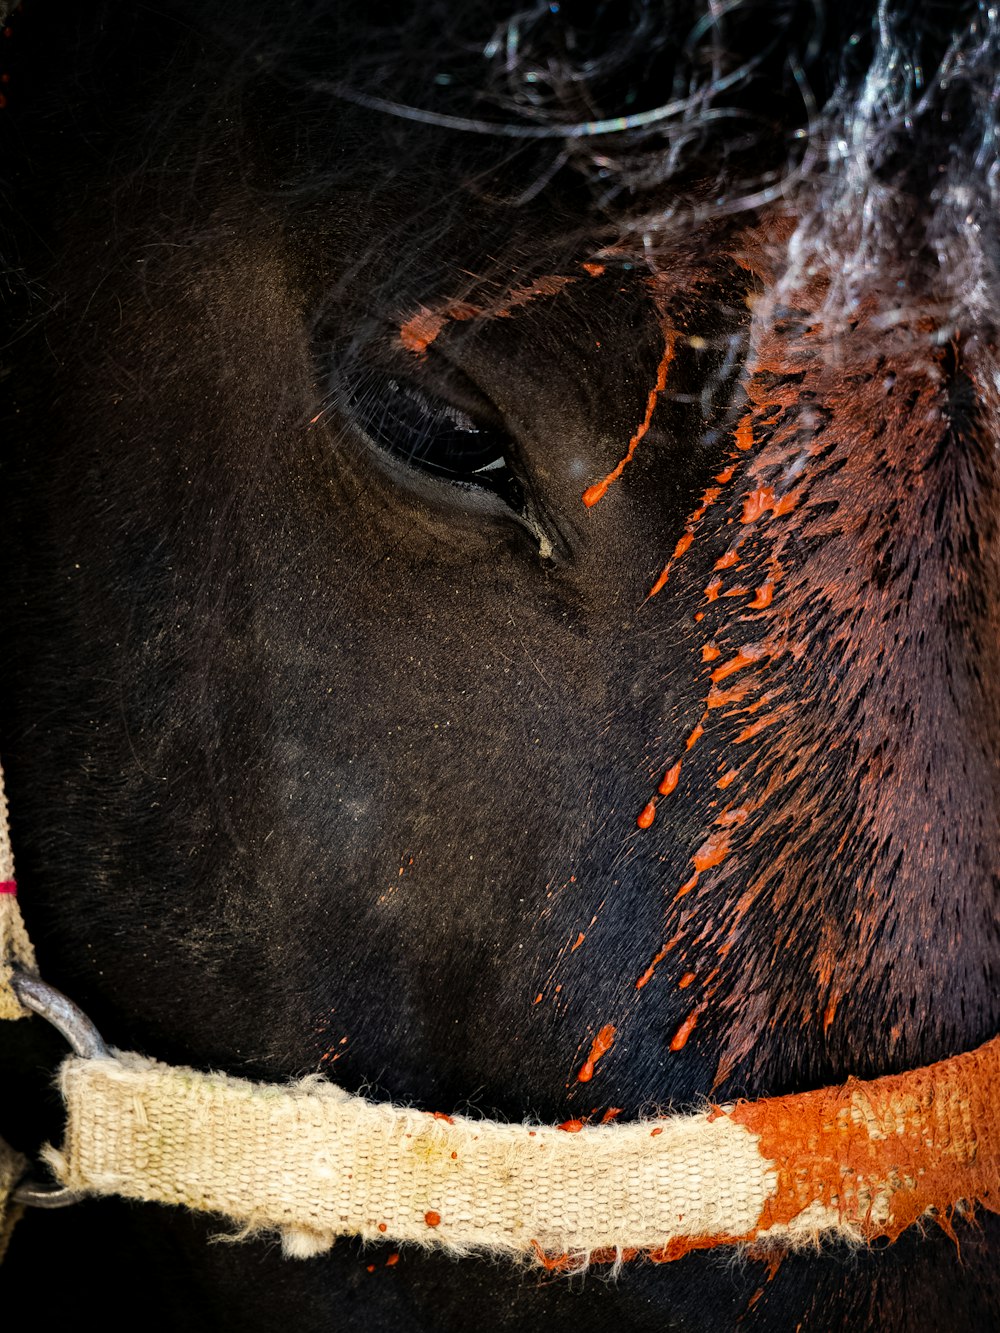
{"x": 84, "y": 1040}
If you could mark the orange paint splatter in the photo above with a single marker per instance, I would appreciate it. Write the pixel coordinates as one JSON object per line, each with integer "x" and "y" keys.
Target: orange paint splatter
{"x": 829, "y": 1013}
{"x": 695, "y": 736}
{"x": 392, "y": 1260}
{"x": 440, "y": 1115}
{"x": 646, "y": 815}
{"x": 553, "y": 1263}
{"x": 763, "y": 499}
{"x": 679, "y": 1039}
{"x": 571, "y": 1126}
{"x": 601, "y": 1044}
{"x": 578, "y": 941}
{"x": 745, "y": 657}
{"x": 653, "y": 1132}
{"x": 726, "y": 780}
{"x": 594, "y": 493}
{"x": 421, "y": 329}
{"x": 595, "y": 270}
{"x": 610, "y": 1114}
{"x": 712, "y": 852}
{"x": 432, "y": 1218}
{"x": 713, "y": 589}
{"x": 763, "y": 599}
{"x": 728, "y": 560}
{"x": 538, "y": 998}
{"x": 744, "y": 434}
{"x": 686, "y": 980}
{"x": 710, "y": 652}
{"x": 668, "y": 783}
{"x": 382, "y": 1227}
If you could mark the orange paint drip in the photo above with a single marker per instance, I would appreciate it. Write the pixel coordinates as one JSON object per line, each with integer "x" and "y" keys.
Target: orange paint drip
{"x": 710, "y": 652}
{"x": 695, "y": 736}
{"x": 578, "y": 941}
{"x": 538, "y": 998}
{"x": 646, "y": 815}
{"x": 670, "y": 779}
{"x": 763, "y": 599}
{"x": 647, "y": 976}
{"x": 601, "y": 1044}
{"x": 726, "y": 780}
{"x": 610, "y": 1114}
{"x": 713, "y": 589}
{"x": 594, "y": 493}
{"x": 571, "y": 1126}
{"x": 728, "y": 560}
{"x": 829, "y": 1013}
{"x": 679, "y": 1039}
{"x": 686, "y": 980}
{"x": 726, "y": 474}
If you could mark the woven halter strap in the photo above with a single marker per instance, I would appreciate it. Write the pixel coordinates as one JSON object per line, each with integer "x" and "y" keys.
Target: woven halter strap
{"x": 312, "y": 1162}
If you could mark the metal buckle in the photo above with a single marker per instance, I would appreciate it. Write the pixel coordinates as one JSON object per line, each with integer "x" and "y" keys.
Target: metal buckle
{"x": 84, "y": 1040}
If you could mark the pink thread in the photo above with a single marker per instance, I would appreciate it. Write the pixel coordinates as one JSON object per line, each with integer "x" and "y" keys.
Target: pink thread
{"x": 8, "y": 886}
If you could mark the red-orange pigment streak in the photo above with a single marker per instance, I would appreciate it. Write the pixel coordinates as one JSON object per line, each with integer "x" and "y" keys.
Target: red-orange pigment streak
{"x": 687, "y": 886}
{"x": 679, "y": 1039}
{"x": 432, "y": 1218}
{"x": 571, "y": 1126}
{"x": 648, "y": 974}
{"x": 578, "y": 941}
{"x": 594, "y": 493}
{"x": 610, "y": 1114}
{"x": 601, "y": 1044}
{"x": 686, "y": 980}
{"x": 418, "y": 332}
{"x": 695, "y": 736}
{"x": 710, "y": 652}
{"x": 595, "y": 270}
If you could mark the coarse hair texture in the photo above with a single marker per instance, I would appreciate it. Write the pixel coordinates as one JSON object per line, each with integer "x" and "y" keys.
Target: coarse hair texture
{"x": 872, "y": 126}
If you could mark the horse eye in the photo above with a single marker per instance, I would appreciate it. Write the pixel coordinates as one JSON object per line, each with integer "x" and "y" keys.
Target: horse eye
{"x": 434, "y": 436}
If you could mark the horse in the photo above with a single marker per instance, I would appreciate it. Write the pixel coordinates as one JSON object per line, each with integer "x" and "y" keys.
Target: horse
{"x": 500, "y": 595}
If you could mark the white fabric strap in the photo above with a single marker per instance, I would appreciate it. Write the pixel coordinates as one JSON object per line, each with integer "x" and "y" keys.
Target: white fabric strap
{"x": 15, "y": 946}
{"x": 314, "y": 1163}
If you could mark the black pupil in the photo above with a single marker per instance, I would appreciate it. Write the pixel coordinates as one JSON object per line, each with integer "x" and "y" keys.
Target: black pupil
{"x": 429, "y": 433}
